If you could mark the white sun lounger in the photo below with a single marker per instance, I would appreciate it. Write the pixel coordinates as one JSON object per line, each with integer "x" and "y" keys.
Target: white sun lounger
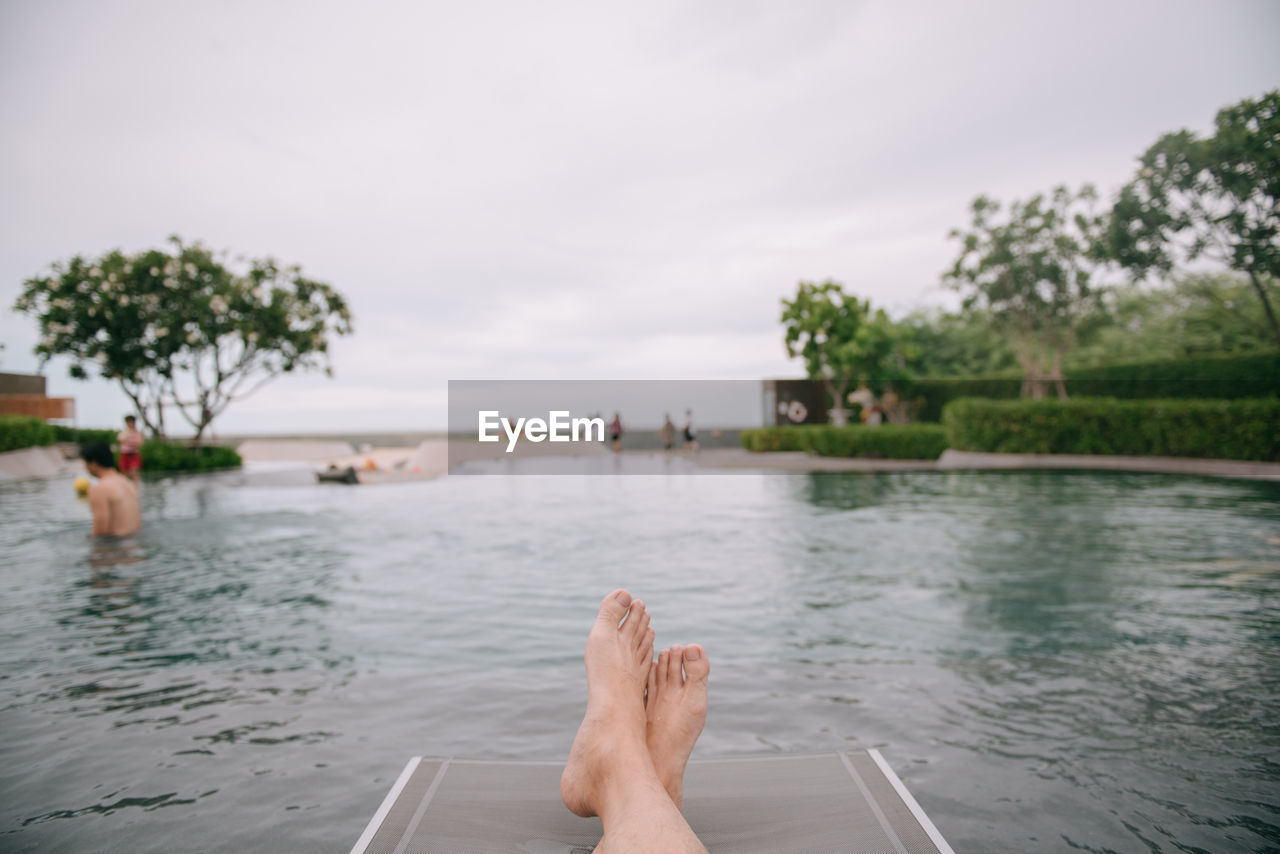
{"x": 831, "y": 802}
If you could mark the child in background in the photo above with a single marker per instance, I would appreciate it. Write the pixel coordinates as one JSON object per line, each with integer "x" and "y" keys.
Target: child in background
{"x": 130, "y": 441}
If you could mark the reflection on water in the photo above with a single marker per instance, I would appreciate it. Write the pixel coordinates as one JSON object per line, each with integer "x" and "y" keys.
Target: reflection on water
{"x": 1051, "y": 660}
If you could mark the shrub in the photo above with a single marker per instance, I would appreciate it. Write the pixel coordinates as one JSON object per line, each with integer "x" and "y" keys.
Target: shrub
{"x": 1218, "y": 429}
{"x": 766, "y": 439}
{"x": 164, "y": 456}
{"x": 1219, "y": 377}
{"x": 80, "y": 435}
{"x": 886, "y": 441}
{"x": 1224, "y": 377}
{"x": 23, "y": 431}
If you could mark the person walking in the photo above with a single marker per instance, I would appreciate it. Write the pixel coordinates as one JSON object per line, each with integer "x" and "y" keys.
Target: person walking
{"x": 667, "y": 433}
{"x": 690, "y": 433}
{"x": 615, "y": 432}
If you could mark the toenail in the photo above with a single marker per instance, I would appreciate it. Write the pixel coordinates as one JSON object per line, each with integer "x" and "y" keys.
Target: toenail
{"x": 692, "y": 654}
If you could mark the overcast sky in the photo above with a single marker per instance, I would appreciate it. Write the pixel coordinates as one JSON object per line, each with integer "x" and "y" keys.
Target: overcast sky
{"x": 571, "y": 190}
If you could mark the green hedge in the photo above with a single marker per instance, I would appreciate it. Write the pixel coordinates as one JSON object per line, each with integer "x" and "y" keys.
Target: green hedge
{"x": 1219, "y": 377}
{"x": 884, "y": 441}
{"x": 20, "y": 431}
{"x": 175, "y": 456}
{"x": 766, "y": 439}
{"x": 1218, "y": 429}
{"x": 1224, "y": 377}
{"x": 23, "y": 431}
{"x": 63, "y": 433}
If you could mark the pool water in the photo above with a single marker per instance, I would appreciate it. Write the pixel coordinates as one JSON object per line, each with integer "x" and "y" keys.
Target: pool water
{"x": 1050, "y": 661}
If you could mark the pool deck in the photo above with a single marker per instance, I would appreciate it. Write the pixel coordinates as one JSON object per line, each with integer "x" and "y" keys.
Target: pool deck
{"x": 42, "y": 462}
{"x": 737, "y": 458}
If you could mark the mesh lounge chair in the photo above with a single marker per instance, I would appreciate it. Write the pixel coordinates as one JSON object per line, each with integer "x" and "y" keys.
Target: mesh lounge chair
{"x": 831, "y": 802}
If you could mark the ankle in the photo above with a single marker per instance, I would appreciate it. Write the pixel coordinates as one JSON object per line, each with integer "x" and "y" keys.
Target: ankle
{"x": 626, "y": 779}
{"x": 626, "y": 763}
{"x": 675, "y": 791}
{"x": 622, "y": 715}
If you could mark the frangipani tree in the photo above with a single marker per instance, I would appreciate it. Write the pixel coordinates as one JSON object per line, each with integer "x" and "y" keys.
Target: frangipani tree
{"x": 181, "y": 329}
{"x": 840, "y": 339}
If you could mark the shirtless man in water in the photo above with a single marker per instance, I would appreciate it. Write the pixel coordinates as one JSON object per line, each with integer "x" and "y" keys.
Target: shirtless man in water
{"x": 643, "y": 717}
{"x": 113, "y": 499}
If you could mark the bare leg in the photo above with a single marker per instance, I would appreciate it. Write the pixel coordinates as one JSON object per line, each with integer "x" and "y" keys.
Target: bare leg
{"x": 676, "y": 709}
{"x": 610, "y": 773}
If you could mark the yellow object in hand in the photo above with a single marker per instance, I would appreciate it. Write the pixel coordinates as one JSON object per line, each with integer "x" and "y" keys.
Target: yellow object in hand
{"x": 82, "y": 486}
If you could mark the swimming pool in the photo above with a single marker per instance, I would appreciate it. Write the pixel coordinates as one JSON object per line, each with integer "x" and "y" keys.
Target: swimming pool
{"x": 1051, "y": 661}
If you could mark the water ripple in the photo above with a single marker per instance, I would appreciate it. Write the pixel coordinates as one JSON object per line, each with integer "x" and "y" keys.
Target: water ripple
{"x": 1064, "y": 661}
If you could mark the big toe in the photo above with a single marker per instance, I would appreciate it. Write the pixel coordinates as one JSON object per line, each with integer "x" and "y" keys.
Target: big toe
{"x": 614, "y": 607}
{"x": 697, "y": 667}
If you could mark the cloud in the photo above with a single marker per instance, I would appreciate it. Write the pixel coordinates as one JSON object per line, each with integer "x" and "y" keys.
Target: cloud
{"x": 560, "y": 190}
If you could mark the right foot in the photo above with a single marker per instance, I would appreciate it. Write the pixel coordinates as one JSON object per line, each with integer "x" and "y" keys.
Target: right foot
{"x": 676, "y": 709}
{"x": 611, "y": 739}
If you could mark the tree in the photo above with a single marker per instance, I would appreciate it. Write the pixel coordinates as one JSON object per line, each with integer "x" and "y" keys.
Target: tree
{"x": 959, "y": 344}
{"x": 1200, "y": 314}
{"x": 180, "y": 329}
{"x": 839, "y": 339}
{"x": 1216, "y": 198}
{"x": 1031, "y": 272}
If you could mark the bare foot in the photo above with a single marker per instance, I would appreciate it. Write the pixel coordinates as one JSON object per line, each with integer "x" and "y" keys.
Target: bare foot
{"x": 676, "y": 709}
{"x": 611, "y": 740}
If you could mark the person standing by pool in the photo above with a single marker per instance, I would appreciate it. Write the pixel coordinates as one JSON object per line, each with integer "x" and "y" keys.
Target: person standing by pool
{"x": 668, "y": 433}
{"x": 615, "y": 432}
{"x": 690, "y": 432}
{"x": 113, "y": 499}
{"x": 130, "y": 441}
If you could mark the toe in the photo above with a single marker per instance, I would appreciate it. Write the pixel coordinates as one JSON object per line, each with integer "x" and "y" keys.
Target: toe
{"x": 645, "y": 653}
{"x": 641, "y": 627}
{"x": 674, "y": 661}
{"x": 696, "y": 665}
{"x": 614, "y": 607}
{"x": 653, "y": 683}
{"x": 632, "y": 629}
{"x": 664, "y": 659}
